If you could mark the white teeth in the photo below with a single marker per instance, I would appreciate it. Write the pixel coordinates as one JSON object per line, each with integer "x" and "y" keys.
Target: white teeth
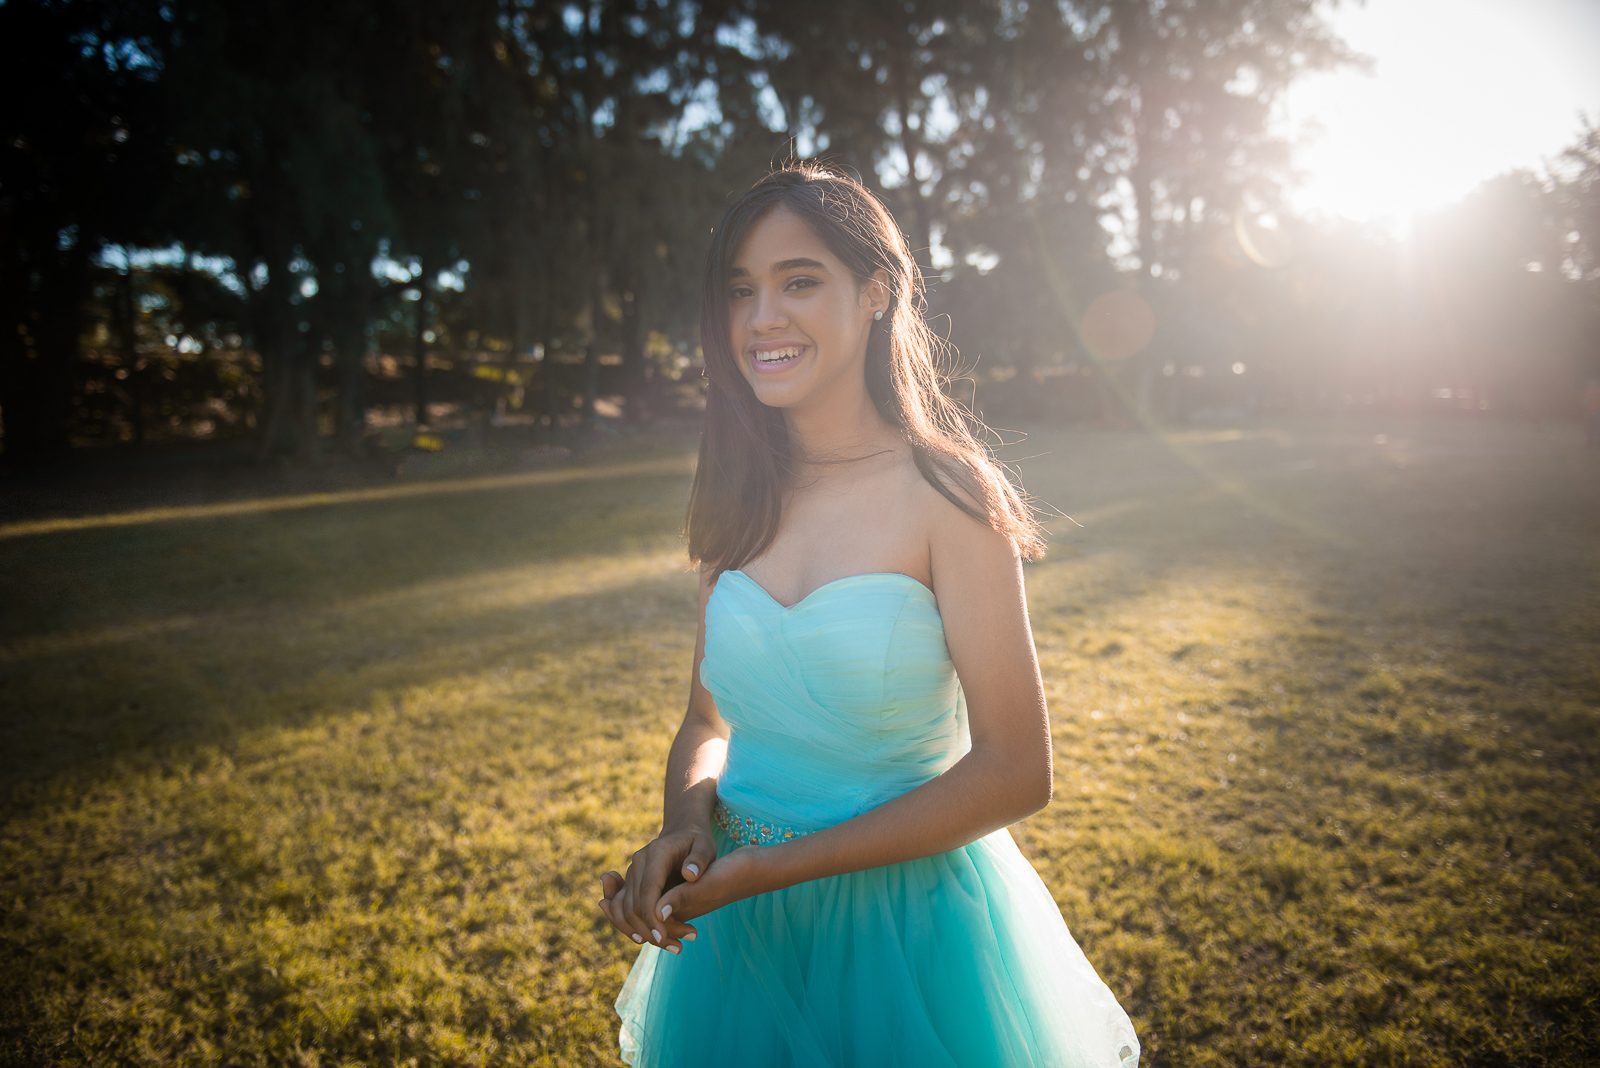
{"x": 778, "y": 355}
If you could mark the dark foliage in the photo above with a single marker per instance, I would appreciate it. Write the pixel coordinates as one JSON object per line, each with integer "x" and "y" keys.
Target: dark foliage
{"x": 293, "y": 222}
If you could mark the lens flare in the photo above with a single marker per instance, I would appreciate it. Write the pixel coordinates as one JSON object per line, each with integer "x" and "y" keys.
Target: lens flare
{"x": 1118, "y": 324}
{"x": 1263, "y": 245}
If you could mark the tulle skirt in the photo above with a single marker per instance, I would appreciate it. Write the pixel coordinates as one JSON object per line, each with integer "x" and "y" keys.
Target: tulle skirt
{"x": 956, "y": 959}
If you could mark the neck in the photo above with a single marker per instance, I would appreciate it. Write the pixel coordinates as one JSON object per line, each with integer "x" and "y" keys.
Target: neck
{"x": 838, "y": 429}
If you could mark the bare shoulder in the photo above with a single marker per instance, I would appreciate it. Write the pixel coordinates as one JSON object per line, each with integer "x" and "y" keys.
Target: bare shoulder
{"x": 983, "y": 602}
{"x": 707, "y": 575}
{"x": 960, "y": 546}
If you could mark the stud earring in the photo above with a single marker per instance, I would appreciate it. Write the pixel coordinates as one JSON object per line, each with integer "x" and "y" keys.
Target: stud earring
{"x": 877, "y": 315}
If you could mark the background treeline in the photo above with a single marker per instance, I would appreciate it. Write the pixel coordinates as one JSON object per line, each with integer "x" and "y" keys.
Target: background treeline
{"x": 296, "y": 224}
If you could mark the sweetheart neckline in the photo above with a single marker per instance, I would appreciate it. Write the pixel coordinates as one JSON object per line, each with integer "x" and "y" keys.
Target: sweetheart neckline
{"x": 847, "y": 578}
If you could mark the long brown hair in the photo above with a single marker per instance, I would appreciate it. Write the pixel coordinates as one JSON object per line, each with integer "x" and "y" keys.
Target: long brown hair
{"x": 745, "y": 459}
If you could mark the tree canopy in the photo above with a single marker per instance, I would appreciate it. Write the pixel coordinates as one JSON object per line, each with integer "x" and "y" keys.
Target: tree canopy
{"x": 269, "y": 220}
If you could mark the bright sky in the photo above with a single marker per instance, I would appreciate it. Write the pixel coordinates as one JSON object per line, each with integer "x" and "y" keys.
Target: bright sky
{"x": 1460, "y": 90}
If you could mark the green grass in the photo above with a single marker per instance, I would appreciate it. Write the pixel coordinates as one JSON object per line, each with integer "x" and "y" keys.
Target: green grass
{"x": 330, "y": 780}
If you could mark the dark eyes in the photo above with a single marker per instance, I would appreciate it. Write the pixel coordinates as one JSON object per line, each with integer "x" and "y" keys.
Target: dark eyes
{"x": 795, "y": 284}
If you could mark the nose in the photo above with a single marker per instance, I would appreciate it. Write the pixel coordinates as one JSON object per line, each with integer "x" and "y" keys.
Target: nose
{"x": 767, "y": 313}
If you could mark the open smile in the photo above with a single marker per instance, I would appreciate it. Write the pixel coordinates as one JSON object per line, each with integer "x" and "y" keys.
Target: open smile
{"x": 771, "y": 359}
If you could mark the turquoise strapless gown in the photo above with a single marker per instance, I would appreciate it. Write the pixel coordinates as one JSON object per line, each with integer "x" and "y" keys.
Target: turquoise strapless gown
{"x": 836, "y": 705}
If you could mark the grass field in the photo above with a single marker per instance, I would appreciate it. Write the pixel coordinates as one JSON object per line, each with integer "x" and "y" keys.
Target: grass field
{"x": 329, "y": 779}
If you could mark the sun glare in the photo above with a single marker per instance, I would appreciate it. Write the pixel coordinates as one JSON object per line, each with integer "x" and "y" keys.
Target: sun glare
{"x": 1460, "y": 90}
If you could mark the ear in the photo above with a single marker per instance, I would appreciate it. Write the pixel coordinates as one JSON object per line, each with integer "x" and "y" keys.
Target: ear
{"x": 875, "y": 292}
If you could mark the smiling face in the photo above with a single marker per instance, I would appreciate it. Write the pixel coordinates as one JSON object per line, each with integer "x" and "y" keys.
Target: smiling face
{"x": 798, "y": 320}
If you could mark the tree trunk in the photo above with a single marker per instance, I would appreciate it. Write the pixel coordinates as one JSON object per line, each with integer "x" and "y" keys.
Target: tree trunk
{"x": 552, "y": 396}
{"x": 36, "y": 381}
{"x": 289, "y": 380}
{"x": 633, "y": 359}
{"x": 591, "y": 386}
{"x": 271, "y": 436}
{"x": 128, "y": 315}
{"x": 420, "y": 348}
{"x": 920, "y": 228}
{"x": 350, "y": 354}
{"x": 288, "y": 428}
{"x": 591, "y": 359}
{"x": 1142, "y": 177}
{"x": 1142, "y": 199}
{"x": 307, "y": 437}
{"x": 32, "y": 389}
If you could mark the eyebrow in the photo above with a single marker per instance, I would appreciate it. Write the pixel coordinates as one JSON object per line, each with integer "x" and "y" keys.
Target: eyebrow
{"x": 781, "y": 265}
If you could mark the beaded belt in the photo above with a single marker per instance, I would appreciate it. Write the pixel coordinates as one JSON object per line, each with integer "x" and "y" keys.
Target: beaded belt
{"x": 747, "y": 831}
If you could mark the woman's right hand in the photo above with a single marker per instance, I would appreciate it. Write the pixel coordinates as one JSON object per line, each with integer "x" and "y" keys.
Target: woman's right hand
{"x": 630, "y": 902}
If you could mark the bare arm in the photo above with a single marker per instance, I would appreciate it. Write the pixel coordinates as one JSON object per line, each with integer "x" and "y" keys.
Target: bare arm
{"x": 684, "y": 849}
{"x": 1005, "y": 776}
{"x": 698, "y": 751}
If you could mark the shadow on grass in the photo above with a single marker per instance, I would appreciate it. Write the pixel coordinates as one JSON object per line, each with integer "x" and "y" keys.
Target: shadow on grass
{"x": 102, "y": 571}
{"x": 87, "y": 701}
{"x": 159, "y": 628}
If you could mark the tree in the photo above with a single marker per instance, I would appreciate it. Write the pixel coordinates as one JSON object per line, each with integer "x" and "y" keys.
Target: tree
{"x": 80, "y": 166}
{"x": 548, "y": 174}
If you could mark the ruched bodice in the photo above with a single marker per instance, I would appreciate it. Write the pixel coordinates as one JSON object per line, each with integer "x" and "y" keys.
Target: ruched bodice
{"x": 835, "y": 705}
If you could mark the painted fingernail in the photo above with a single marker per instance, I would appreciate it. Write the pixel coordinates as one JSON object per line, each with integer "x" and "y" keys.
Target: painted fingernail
{"x": 693, "y": 869}
{"x": 656, "y": 935}
{"x": 689, "y": 937}
{"x": 666, "y": 911}
{"x": 636, "y": 938}
{"x": 674, "y": 950}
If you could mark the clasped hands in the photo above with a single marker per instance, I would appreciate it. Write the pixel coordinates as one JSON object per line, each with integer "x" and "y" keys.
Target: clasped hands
{"x": 674, "y": 879}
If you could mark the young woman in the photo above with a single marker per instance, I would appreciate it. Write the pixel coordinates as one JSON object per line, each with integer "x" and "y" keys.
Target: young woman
{"x": 866, "y": 714}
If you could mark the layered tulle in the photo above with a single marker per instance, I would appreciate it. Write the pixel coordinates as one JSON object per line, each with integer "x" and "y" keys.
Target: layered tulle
{"x": 835, "y": 706}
